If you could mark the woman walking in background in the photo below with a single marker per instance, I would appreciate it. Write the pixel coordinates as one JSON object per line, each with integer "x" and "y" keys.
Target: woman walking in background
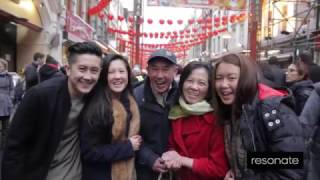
{"x": 297, "y": 78}
{"x": 196, "y": 140}
{"x": 110, "y": 125}
{"x": 6, "y": 97}
{"x": 256, "y": 118}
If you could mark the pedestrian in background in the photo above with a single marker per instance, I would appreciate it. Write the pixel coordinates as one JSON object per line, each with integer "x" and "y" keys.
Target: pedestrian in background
{"x": 6, "y": 98}
{"x": 256, "y": 118}
{"x": 110, "y": 125}
{"x": 196, "y": 146}
{"x": 43, "y": 139}
{"x": 155, "y": 97}
{"x": 50, "y": 69}
{"x": 297, "y": 79}
{"x": 275, "y": 73}
{"x": 313, "y": 68}
{"x": 310, "y": 119}
{"x": 31, "y": 70}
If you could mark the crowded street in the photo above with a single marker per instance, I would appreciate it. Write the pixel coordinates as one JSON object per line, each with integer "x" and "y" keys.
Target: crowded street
{"x": 159, "y": 89}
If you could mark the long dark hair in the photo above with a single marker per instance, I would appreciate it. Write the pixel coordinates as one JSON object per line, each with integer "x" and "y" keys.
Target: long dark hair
{"x": 98, "y": 110}
{"x": 186, "y": 72}
{"x": 246, "y": 89}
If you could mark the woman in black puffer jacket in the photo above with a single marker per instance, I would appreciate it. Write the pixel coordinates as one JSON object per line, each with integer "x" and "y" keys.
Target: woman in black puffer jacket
{"x": 297, "y": 77}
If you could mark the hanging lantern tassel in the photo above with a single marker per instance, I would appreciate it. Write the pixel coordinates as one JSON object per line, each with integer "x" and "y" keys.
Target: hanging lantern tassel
{"x": 99, "y": 7}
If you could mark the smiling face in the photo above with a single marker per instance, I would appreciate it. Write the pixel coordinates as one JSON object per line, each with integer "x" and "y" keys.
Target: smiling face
{"x": 161, "y": 73}
{"x": 195, "y": 87}
{"x": 117, "y": 76}
{"x": 226, "y": 82}
{"x": 83, "y": 74}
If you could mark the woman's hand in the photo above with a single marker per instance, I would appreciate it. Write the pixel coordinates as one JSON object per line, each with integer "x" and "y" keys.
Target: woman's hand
{"x": 136, "y": 141}
{"x": 229, "y": 175}
{"x": 172, "y": 160}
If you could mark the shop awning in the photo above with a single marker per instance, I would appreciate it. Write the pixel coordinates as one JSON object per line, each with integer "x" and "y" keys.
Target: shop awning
{"x": 23, "y": 21}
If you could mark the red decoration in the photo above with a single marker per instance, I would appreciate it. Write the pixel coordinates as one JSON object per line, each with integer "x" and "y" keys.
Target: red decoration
{"x": 191, "y": 21}
{"x": 169, "y": 21}
{"x": 181, "y": 32}
{"x": 188, "y": 31}
{"x": 110, "y": 17}
{"x": 161, "y": 21}
{"x": 99, "y": 7}
{"x": 120, "y": 18}
{"x": 194, "y": 30}
{"x": 150, "y": 21}
{"x": 200, "y": 20}
{"x": 217, "y": 19}
{"x": 180, "y": 21}
{"x": 131, "y": 19}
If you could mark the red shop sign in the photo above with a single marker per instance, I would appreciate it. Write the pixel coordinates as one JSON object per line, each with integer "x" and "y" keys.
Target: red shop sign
{"x": 78, "y": 27}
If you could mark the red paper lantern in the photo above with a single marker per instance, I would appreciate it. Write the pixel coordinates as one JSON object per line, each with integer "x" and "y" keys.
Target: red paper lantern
{"x": 150, "y": 21}
{"x": 161, "y": 21}
{"x": 188, "y": 31}
{"x": 110, "y": 17}
{"x": 181, "y": 31}
{"x": 194, "y": 30}
{"x": 169, "y": 21}
{"x": 131, "y": 19}
{"x": 224, "y": 18}
{"x": 209, "y": 20}
{"x": 191, "y": 21}
{"x": 120, "y": 18}
{"x": 180, "y": 21}
{"x": 200, "y": 20}
{"x": 168, "y": 33}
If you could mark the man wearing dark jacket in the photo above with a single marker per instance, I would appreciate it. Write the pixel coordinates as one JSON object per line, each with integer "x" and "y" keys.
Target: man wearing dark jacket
{"x": 154, "y": 99}
{"x": 31, "y": 70}
{"x": 50, "y": 69}
{"x": 314, "y": 69}
{"x": 43, "y": 142}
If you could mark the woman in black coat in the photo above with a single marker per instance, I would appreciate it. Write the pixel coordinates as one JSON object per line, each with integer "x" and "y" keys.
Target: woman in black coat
{"x": 110, "y": 125}
{"x": 310, "y": 119}
{"x": 256, "y": 118}
{"x": 297, "y": 78}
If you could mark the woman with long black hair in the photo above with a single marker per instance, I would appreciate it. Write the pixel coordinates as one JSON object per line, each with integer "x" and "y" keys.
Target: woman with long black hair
{"x": 110, "y": 125}
{"x": 256, "y": 118}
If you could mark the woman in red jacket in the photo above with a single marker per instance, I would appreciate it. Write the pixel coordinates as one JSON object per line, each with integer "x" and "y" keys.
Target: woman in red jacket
{"x": 196, "y": 142}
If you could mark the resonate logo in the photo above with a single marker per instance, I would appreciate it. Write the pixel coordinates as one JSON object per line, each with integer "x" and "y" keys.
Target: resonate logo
{"x": 275, "y": 160}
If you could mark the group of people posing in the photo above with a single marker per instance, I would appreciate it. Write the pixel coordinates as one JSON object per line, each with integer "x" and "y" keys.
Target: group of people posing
{"x": 92, "y": 125}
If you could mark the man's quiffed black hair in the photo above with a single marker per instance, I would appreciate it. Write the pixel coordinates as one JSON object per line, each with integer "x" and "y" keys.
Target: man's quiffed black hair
{"x": 83, "y": 48}
{"x": 37, "y": 56}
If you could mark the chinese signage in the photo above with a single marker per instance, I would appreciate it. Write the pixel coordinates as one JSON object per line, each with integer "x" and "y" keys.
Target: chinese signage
{"x": 79, "y": 28}
{"x": 227, "y": 4}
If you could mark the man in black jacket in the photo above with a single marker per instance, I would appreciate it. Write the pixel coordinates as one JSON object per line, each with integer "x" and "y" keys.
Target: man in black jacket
{"x": 155, "y": 98}
{"x": 31, "y": 70}
{"x": 43, "y": 142}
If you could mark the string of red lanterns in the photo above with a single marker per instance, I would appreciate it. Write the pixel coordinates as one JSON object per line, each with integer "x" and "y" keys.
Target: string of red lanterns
{"x": 98, "y": 8}
{"x": 208, "y": 20}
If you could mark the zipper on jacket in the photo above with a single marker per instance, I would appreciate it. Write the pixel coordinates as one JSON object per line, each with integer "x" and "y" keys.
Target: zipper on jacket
{"x": 251, "y": 131}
